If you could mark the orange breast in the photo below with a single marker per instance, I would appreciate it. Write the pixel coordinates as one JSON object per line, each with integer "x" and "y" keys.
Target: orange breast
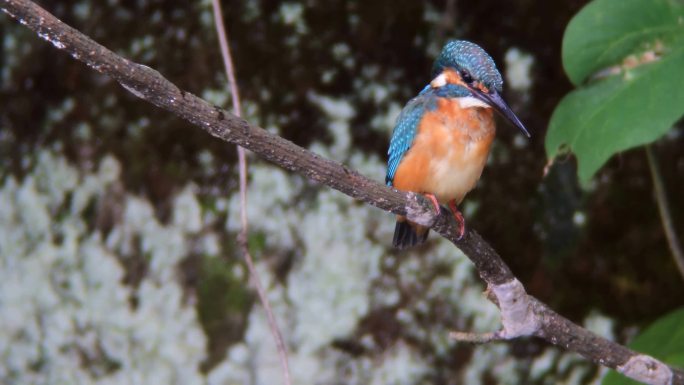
{"x": 449, "y": 152}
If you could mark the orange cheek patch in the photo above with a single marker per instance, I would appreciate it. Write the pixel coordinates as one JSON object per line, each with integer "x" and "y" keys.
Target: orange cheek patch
{"x": 452, "y": 77}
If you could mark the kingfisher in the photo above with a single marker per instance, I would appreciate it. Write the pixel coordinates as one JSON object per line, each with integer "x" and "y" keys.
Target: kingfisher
{"x": 442, "y": 137}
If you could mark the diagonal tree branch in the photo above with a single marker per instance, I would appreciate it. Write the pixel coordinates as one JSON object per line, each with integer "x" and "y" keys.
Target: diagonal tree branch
{"x": 522, "y": 315}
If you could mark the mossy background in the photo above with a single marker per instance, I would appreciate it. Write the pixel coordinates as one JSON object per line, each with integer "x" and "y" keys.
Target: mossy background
{"x": 89, "y": 172}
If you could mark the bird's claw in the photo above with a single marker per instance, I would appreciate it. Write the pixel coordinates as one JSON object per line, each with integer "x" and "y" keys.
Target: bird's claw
{"x": 435, "y": 203}
{"x": 459, "y": 219}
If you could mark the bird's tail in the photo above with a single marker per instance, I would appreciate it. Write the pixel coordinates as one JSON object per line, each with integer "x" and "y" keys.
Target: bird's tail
{"x": 407, "y": 234}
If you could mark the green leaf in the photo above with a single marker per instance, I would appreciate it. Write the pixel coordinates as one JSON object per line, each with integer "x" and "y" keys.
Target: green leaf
{"x": 664, "y": 340}
{"x": 633, "y": 107}
{"x": 605, "y": 32}
{"x": 618, "y": 113}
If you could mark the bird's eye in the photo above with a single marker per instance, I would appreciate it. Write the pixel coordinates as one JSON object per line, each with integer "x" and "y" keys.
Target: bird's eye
{"x": 465, "y": 75}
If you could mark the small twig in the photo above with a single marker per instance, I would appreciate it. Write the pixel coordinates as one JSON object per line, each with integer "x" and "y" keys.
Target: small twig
{"x": 475, "y": 338}
{"x": 664, "y": 209}
{"x": 242, "y": 161}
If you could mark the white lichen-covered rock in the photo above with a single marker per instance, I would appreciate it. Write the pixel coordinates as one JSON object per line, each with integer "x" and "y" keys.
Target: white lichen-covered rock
{"x": 65, "y": 311}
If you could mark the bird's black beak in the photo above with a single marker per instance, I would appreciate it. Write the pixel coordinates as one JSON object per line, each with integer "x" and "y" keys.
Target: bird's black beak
{"x": 495, "y": 100}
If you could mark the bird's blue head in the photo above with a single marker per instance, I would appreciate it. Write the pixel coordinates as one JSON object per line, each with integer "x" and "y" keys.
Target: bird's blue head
{"x": 469, "y": 60}
{"x": 467, "y": 65}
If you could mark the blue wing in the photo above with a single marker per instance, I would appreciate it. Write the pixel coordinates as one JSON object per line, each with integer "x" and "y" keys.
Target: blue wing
{"x": 404, "y": 132}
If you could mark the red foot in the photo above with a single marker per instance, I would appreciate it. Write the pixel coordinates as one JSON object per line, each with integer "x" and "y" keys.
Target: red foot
{"x": 434, "y": 201}
{"x": 459, "y": 218}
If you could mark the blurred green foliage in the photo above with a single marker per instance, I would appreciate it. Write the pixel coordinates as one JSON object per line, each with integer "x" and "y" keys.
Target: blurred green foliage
{"x": 664, "y": 340}
{"x": 627, "y": 59}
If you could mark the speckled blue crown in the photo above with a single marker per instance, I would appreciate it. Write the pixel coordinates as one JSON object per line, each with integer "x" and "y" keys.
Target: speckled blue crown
{"x": 464, "y": 55}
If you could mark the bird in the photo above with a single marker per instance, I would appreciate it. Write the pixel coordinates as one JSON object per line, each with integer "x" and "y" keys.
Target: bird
{"x": 442, "y": 137}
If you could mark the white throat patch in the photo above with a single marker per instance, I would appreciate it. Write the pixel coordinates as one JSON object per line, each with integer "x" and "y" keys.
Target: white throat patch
{"x": 469, "y": 101}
